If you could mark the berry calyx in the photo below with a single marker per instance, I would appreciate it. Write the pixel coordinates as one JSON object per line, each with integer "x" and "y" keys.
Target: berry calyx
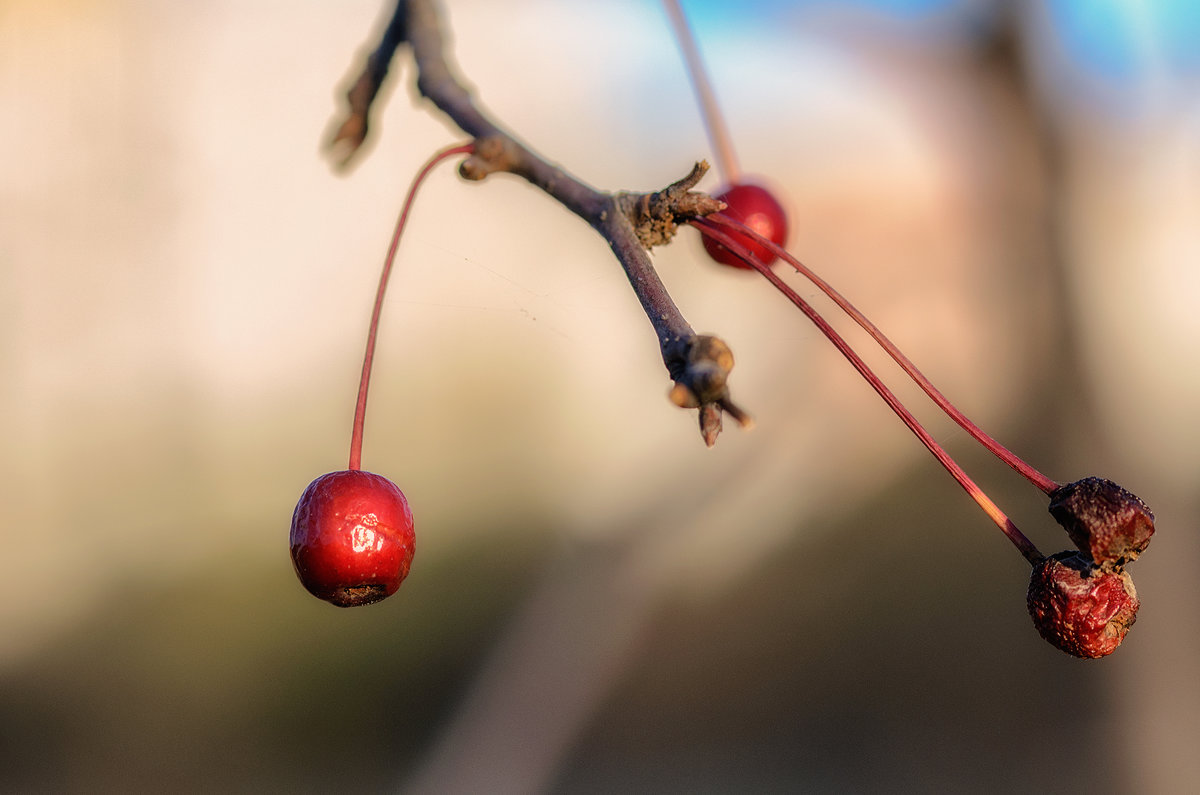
{"x": 753, "y": 206}
{"x": 1107, "y": 523}
{"x": 352, "y": 538}
{"x": 1079, "y": 608}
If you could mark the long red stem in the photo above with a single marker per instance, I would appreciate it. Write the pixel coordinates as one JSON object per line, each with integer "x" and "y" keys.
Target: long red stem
{"x": 360, "y": 408}
{"x": 714, "y": 122}
{"x": 1018, "y": 464}
{"x": 1019, "y": 540}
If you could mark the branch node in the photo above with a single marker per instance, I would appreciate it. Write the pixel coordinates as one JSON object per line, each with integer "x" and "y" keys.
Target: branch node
{"x": 656, "y": 216}
{"x": 493, "y": 153}
{"x": 701, "y": 379}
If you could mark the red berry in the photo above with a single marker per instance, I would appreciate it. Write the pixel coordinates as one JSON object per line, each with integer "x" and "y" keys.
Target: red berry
{"x": 1105, "y": 521}
{"x": 352, "y": 538}
{"x": 1078, "y": 608}
{"x": 755, "y": 207}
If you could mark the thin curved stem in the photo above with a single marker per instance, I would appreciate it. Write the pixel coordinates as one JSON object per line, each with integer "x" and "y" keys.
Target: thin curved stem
{"x": 714, "y": 121}
{"x": 360, "y": 408}
{"x": 1018, "y": 464}
{"x": 1019, "y": 540}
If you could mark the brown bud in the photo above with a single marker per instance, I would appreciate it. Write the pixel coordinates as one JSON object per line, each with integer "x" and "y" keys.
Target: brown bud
{"x": 683, "y": 397}
{"x": 1105, "y": 521}
{"x": 1079, "y": 608}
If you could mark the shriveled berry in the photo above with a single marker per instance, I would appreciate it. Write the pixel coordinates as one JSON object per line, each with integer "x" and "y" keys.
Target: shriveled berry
{"x": 755, "y": 207}
{"x": 1079, "y": 608}
{"x": 1104, "y": 521}
{"x": 352, "y": 538}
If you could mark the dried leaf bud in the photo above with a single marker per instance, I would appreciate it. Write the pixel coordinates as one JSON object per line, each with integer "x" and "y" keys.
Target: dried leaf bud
{"x": 683, "y": 397}
{"x": 1104, "y": 521}
{"x": 1079, "y": 608}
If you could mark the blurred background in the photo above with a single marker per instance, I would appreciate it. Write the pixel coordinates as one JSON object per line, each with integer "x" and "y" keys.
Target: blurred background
{"x": 598, "y": 603}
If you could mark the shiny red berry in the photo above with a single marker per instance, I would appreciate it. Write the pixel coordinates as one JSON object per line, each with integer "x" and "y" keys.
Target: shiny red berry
{"x": 1079, "y": 608}
{"x": 755, "y": 207}
{"x": 1105, "y": 521}
{"x": 352, "y": 538}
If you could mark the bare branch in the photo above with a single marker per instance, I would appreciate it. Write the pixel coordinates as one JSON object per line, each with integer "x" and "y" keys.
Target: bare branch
{"x": 630, "y": 222}
{"x": 351, "y": 134}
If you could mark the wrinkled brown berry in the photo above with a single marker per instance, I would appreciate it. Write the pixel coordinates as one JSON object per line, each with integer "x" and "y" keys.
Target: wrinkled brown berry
{"x": 1104, "y": 521}
{"x": 1079, "y": 608}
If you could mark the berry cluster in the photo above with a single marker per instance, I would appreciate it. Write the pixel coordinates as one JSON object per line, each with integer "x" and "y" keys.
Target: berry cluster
{"x": 1081, "y": 602}
{"x": 1084, "y": 602}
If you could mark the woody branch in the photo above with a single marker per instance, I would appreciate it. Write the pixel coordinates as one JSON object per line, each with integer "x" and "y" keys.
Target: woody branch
{"x": 630, "y": 222}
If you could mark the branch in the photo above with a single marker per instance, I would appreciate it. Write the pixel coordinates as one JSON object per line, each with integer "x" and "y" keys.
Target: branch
{"x": 629, "y": 222}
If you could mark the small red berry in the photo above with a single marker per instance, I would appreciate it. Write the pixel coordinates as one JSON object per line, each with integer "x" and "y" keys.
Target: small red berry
{"x": 352, "y": 538}
{"x": 1105, "y": 521}
{"x": 1078, "y": 608}
{"x": 755, "y": 207}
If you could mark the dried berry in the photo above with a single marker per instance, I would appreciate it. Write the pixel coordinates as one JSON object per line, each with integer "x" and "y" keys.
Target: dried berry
{"x": 1104, "y": 521}
{"x": 1079, "y": 608}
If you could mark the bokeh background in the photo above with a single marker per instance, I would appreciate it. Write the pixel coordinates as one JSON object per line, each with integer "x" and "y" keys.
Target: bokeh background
{"x": 599, "y": 603}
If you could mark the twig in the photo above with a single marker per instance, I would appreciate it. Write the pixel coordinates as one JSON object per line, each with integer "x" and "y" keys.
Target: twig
{"x": 629, "y": 222}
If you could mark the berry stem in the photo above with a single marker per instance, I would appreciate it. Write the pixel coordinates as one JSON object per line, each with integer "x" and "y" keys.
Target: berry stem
{"x": 1019, "y": 540}
{"x": 714, "y": 121}
{"x": 1017, "y": 463}
{"x": 360, "y": 408}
